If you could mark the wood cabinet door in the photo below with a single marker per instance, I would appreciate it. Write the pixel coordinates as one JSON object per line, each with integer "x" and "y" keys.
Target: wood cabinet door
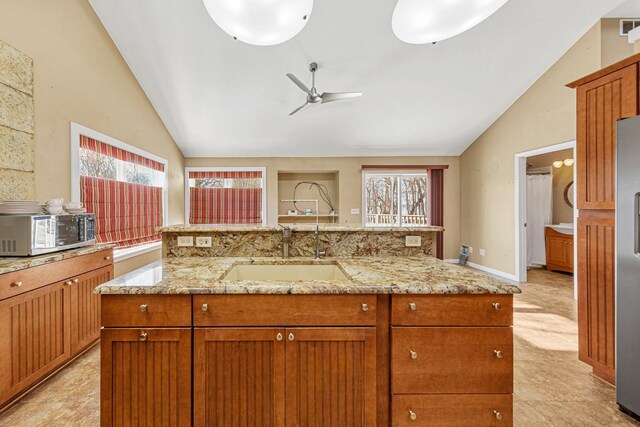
{"x": 596, "y": 291}
{"x": 331, "y": 376}
{"x": 601, "y": 103}
{"x": 557, "y": 253}
{"x": 145, "y": 377}
{"x": 239, "y": 377}
{"x": 34, "y": 337}
{"x": 85, "y": 307}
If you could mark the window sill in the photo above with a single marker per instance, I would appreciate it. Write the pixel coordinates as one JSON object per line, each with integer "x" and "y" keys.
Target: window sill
{"x": 122, "y": 254}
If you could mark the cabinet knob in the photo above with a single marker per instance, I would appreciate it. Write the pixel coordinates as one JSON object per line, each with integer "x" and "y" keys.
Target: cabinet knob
{"x": 291, "y": 337}
{"x": 143, "y": 336}
{"x": 365, "y": 307}
{"x": 205, "y": 307}
{"x": 413, "y": 354}
{"x": 412, "y": 415}
{"x": 143, "y": 307}
{"x": 497, "y": 306}
{"x": 412, "y": 306}
{"x": 107, "y": 258}
{"x": 68, "y": 283}
{"x": 76, "y": 281}
{"x": 16, "y": 284}
{"x": 498, "y": 415}
{"x": 498, "y": 354}
{"x": 279, "y": 336}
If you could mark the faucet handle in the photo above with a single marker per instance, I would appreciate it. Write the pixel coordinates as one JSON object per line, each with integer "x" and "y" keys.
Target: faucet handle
{"x": 322, "y": 253}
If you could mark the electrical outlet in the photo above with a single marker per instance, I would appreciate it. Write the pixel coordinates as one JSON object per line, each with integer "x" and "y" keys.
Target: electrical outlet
{"x": 185, "y": 240}
{"x": 470, "y": 249}
{"x": 355, "y": 211}
{"x": 482, "y": 252}
{"x": 413, "y": 241}
{"x": 203, "y": 242}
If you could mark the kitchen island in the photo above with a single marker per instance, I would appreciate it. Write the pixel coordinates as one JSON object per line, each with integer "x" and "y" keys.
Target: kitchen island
{"x": 337, "y": 341}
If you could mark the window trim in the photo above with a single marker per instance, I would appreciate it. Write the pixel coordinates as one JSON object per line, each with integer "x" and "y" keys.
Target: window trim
{"x": 187, "y": 195}
{"x": 76, "y": 130}
{"x": 392, "y": 173}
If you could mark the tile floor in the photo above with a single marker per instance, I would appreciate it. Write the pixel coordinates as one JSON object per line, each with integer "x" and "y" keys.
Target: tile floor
{"x": 552, "y": 388}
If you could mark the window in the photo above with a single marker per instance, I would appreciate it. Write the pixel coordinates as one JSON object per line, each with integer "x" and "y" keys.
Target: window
{"x": 225, "y": 196}
{"x": 396, "y": 199}
{"x": 123, "y": 186}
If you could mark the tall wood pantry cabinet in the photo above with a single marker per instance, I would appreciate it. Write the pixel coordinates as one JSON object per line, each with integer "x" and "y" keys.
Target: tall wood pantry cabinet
{"x": 603, "y": 98}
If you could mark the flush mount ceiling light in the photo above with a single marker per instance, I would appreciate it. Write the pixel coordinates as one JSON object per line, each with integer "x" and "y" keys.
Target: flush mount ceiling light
{"x": 260, "y": 22}
{"x": 420, "y": 21}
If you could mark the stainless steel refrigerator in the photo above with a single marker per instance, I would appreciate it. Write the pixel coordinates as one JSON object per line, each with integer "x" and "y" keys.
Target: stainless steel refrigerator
{"x": 628, "y": 266}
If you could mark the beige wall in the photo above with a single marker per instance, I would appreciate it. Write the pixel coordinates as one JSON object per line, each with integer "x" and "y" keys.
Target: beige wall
{"x": 614, "y": 47}
{"x": 544, "y": 115}
{"x": 350, "y": 184}
{"x": 562, "y": 177}
{"x": 80, "y": 76}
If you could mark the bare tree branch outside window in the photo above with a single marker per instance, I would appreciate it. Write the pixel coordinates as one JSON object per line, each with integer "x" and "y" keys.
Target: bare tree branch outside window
{"x": 381, "y": 200}
{"x": 97, "y": 165}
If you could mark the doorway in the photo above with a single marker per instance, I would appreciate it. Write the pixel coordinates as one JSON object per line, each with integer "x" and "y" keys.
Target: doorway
{"x": 545, "y": 213}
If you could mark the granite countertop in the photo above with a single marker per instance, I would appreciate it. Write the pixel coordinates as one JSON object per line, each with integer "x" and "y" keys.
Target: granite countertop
{"x": 391, "y": 275}
{"x": 295, "y": 227}
{"x": 9, "y": 264}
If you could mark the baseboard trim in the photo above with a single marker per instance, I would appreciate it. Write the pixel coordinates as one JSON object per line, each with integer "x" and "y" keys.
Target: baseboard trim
{"x": 499, "y": 273}
{"x": 452, "y": 260}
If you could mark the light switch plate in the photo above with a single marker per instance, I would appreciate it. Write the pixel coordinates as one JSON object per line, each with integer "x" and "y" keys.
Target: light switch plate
{"x": 185, "y": 240}
{"x": 413, "y": 241}
{"x": 203, "y": 242}
{"x": 355, "y": 211}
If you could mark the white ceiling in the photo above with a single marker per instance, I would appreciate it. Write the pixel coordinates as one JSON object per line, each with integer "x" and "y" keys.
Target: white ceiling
{"x": 220, "y": 97}
{"x": 628, "y": 9}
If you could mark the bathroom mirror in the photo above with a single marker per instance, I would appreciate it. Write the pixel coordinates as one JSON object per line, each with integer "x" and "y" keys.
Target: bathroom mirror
{"x": 568, "y": 194}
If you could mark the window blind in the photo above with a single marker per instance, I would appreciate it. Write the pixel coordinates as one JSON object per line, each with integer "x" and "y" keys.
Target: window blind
{"x": 118, "y": 153}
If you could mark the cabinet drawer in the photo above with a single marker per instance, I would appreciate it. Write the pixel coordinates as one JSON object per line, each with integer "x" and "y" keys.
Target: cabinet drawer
{"x": 284, "y": 310}
{"x": 452, "y": 310}
{"x": 145, "y": 310}
{"x": 452, "y": 360}
{"x": 21, "y": 281}
{"x": 452, "y": 410}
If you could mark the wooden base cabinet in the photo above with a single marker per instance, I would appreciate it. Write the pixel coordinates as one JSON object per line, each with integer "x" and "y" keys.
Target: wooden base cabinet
{"x": 559, "y": 249}
{"x": 146, "y": 377}
{"x": 285, "y": 376}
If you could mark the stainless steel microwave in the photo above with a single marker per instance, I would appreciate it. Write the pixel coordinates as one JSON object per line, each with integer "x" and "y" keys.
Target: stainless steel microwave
{"x": 27, "y": 235}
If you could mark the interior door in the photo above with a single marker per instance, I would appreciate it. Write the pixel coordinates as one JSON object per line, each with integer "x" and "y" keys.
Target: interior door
{"x": 239, "y": 377}
{"x": 331, "y": 376}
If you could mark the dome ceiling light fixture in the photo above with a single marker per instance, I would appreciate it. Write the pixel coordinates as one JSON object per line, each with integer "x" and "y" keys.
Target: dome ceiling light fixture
{"x": 260, "y": 22}
{"x": 419, "y": 21}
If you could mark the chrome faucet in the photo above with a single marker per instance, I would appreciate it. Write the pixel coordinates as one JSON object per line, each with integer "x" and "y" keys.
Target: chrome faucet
{"x": 316, "y": 234}
{"x": 286, "y": 239}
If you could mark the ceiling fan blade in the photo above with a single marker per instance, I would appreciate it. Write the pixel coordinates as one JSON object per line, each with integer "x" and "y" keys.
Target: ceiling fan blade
{"x": 339, "y": 96}
{"x": 298, "y": 109}
{"x": 299, "y": 83}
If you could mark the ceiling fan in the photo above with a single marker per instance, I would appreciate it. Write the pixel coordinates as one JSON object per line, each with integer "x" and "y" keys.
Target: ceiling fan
{"x": 312, "y": 95}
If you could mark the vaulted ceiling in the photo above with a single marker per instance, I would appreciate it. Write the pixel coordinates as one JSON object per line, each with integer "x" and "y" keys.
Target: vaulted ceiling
{"x": 220, "y": 97}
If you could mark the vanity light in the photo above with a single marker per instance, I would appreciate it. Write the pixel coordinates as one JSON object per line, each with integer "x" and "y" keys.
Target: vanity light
{"x": 260, "y": 22}
{"x": 569, "y": 162}
{"x": 558, "y": 164}
{"x": 419, "y": 21}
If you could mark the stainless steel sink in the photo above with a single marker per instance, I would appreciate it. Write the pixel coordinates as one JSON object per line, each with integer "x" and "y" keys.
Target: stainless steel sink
{"x": 286, "y": 273}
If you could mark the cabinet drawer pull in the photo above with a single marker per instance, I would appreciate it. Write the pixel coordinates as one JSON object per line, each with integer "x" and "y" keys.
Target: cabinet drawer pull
{"x": 413, "y": 354}
{"x": 498, "y": 354}
{"x": 76, "y": 281}
{"x": 107, "y": 258}
{"x": 205, "y": 307}
{"x": 143, "y": 336}
{"x": 291, "y": 337}
{"x": 412, "y": 306}
{"x": 498, "y": 415}
{"x": 412, "y": 415}
{"x": 143, "y": 307}
{"x": 497, "y": 306}
{"x": 279, "y": 336}
{"x": 365, "y": 307}
{"x": 68, "y": 283}
{"x": 16, "y": 284}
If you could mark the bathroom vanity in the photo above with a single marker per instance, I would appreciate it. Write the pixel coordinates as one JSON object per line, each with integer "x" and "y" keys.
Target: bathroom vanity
{"x": 357, "y": 341}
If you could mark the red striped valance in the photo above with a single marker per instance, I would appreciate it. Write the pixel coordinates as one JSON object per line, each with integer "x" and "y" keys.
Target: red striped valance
{"x": 126, "y": 214}
{"x": 118, "y": 153}
{"x": 225, "y": 205}
{"x": 225, "y": 174}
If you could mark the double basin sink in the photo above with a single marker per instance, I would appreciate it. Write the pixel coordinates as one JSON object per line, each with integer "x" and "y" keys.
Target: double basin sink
{"x": 299, "y": 272}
